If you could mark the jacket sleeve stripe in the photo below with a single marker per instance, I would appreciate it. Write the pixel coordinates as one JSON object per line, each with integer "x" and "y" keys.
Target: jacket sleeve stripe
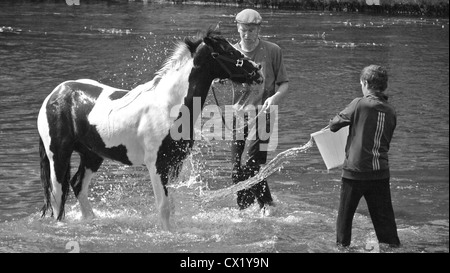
{"x": 377, "y": 141}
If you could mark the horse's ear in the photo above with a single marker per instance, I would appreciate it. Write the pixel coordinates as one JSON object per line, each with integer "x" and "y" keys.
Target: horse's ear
{"x": 217, "y": 27}
{"x": 211, "y": 35}
{"x": 192, "y": 45}
{"x": 208, "y": 40}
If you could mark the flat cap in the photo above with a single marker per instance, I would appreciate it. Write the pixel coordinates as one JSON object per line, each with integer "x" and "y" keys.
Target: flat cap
{"x": 248, "y": 16}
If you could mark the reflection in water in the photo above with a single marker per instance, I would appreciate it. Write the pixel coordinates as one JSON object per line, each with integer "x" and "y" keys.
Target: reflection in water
{"x": 42, "y": 46}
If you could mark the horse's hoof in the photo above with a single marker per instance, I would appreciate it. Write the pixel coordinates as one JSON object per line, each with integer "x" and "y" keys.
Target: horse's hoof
{"x": 88, "y": 217}
{"x": 165, "y": 225}
{"x": 268, "y": 209}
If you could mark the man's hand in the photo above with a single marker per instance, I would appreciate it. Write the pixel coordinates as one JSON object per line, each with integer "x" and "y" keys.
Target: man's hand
{"x": 276, "y": 98}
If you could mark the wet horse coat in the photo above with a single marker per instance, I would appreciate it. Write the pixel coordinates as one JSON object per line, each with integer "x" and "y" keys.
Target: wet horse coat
{"x": 101, "y": 122}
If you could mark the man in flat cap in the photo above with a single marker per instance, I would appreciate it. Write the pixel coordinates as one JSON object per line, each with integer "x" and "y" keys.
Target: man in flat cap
{"x": 270, "y": 57}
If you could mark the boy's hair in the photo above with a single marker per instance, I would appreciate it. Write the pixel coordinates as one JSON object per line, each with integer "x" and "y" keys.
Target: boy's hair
{"x": 376, "y": 77}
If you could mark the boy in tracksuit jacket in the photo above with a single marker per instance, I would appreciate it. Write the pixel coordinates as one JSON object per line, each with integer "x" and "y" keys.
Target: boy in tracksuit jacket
{"x": 365, "y": 172}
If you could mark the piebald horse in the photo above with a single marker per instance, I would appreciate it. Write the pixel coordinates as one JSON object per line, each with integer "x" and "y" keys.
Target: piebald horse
{"x": 132, "y": 127}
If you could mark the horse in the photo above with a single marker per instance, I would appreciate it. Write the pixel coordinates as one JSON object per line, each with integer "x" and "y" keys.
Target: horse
{"x": 132, "y": 127}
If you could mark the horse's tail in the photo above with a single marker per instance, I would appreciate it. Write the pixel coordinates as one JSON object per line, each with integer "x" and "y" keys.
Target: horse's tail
{"x": 45, "y": 178}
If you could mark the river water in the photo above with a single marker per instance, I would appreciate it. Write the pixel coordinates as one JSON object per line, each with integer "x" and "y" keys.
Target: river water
{"x": 122, "y": 45}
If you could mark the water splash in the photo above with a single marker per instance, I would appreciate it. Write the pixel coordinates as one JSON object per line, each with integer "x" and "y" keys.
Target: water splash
{"x": 113, "y": 31}
{"x": 274, "y": 165}
{"x": 5, "y": 30}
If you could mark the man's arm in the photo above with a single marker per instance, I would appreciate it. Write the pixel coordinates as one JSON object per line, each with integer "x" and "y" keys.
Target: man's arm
{"x": 276, "y": 98}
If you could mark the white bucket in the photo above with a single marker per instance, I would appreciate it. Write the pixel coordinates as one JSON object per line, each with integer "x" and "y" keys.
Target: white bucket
{"x": 332, "y": 146}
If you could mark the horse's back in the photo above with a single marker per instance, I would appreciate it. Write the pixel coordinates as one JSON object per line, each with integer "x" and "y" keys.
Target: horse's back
{"x": 79, "y": 93}
{"x": 86, "y": 89}
{"x": 71, "y": 95}
{"x": 68, "y": 106}
{"x": 65, "y": 117}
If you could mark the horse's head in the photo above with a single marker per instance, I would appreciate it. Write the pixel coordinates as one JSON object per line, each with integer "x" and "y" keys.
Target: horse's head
{"x": 228, "y": 62}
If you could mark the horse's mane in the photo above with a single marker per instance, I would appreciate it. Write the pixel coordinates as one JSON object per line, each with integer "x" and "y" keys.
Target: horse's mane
{"x": 180, "y": 55}
{"x": 182, "y": 52}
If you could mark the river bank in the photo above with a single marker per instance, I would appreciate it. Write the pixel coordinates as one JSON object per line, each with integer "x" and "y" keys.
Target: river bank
{"x": 435, "y": 8}
{"x": 395, "y": 7}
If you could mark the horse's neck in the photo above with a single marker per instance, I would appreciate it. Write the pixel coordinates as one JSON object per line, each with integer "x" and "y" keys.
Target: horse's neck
{"x": 166, "y": 93}
{"x": 132, "y": 96}
{"x": 198, "y": 88}
{"x": 167, "y": 90}
{"x": 173, "y": 87}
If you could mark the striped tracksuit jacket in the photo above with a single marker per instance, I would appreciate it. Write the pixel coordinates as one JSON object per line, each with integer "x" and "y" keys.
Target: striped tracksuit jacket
{"x": 372, "y": 122}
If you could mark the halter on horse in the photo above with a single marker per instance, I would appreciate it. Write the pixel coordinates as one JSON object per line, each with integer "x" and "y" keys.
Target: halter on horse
{"x": 133, "y": 127}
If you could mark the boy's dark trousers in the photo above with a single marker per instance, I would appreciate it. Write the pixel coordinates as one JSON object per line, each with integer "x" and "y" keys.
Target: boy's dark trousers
{"x": 255, "y": 158}
{"x": 378, "y": 197}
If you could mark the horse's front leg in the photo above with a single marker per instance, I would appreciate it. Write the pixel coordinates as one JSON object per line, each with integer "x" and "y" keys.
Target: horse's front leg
{"x": 161, "y": 198}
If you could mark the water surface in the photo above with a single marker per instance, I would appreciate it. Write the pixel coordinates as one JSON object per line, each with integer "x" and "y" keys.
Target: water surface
{"x": 42, "y": 45}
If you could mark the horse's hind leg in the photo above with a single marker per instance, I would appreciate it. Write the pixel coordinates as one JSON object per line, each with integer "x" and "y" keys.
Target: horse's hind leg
{"x": 89, "y": 165}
